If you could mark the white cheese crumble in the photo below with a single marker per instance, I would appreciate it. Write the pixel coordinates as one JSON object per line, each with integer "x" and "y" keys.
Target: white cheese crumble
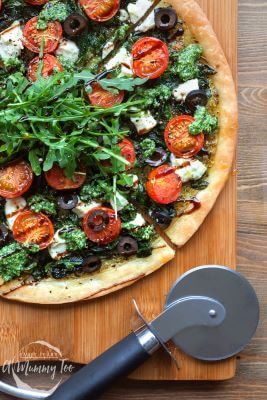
{"x": 82, "y": 208}
{"x": 58, "y": 247}
{"x": 194, "y": 171}
{"x": 144, "y": 123}
{"x": 107, "y": 49}
{"x": 121, "y": 202}
{"x": 182, "y": 90}
{"x": 179, "y": 162}
{"x": 124, "y": 16}
{"x": 13, "y": 207}
{"x": 123, "y": 59}
{"x": 11, "y": 42}
{"x": 136, "y": 12}
{"x": 138, "y": 221}
{"x": 68, "y": 50}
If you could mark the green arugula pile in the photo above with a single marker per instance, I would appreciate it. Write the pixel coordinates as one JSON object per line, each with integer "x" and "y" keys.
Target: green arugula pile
{"x": 51, "y": 120}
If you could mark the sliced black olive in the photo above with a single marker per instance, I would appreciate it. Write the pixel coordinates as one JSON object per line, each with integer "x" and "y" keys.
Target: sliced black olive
{"x": 163, "y": 216}
{"x": 165, "y": 18}
{"x": 67, "y": 201}
{"x": 196, "y": 98}
{"x": 98, "y": 220}
{"x": 74, "y": 25}
{"x": 157, "y": 158}
{"x": 3, "y": 234}
{"x": 91, "y": 264}
{"x": 127, "y": 246}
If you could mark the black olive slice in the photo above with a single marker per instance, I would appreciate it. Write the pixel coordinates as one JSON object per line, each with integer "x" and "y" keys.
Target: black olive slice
{"x": 196, "y": 98}
{"x": 74, "y": 24}
{"x": 157, "y": 158}
{"x": 3, "y": 234}
{"x": 98, "y": 220}
{"x": 165, "y": 18}
{"x": 91, "y": 264}
{"x": 67, "y": 201}
{"x": 127, "y": 246}
{"x": 163, "y": 216}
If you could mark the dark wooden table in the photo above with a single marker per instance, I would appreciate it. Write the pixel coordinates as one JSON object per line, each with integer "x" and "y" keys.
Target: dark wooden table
{"x": 250, "y": 382}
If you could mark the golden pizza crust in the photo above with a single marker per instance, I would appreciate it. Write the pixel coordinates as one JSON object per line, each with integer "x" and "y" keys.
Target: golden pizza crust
{"x": 181, "y": 229}
{"x": 109, "y": 279}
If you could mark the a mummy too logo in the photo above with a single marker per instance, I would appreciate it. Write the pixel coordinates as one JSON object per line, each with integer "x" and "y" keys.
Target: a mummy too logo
{"x": 37, "y": 359}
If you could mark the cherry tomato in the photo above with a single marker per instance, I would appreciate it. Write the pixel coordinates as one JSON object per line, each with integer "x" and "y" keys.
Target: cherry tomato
{"x": 36, "y": 2}
{"x": 128, "y": 152}
{"x": 178, "y": 139}
{"x": 103, "y": 98}
{"x": 164, "y": 185}
{"x": 50, "y": 64}
{"x": 100, "y": 10}
{"x": 150, "y": 57}
{"x": 34, "y": 37}
{"x": 15, "y": 179}
{"x": 101, "y": 225}
{"x": 33, "y": 228}
{"x": 57, "y": 179}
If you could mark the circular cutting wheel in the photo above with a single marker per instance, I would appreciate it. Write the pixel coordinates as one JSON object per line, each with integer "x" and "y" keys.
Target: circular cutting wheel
{"x": 242, "y": 312}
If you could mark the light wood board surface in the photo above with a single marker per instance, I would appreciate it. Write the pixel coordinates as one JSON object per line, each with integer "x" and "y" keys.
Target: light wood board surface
{"x": 84, "y": 330}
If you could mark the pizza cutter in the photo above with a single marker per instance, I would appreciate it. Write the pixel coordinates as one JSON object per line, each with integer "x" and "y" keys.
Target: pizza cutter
{"x": 210, "y": 313}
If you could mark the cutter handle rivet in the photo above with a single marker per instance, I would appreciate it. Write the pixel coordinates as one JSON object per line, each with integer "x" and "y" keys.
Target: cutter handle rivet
{"x": 212, "y": 313}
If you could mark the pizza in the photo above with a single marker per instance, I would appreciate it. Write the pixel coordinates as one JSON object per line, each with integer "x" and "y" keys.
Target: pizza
{"x": 118, "y": 129}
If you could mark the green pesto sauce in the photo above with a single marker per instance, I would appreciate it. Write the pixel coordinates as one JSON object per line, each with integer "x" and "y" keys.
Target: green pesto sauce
{"x": 204, "y": 122}
{"x": 75, "y": 238}
{"x": 39, "y": 203}
{"x": 14, "y": 259}
{"x": 54, "y": 10}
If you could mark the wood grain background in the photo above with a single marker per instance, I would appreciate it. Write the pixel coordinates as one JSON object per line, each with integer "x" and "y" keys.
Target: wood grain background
{"x": 251, "y": 380}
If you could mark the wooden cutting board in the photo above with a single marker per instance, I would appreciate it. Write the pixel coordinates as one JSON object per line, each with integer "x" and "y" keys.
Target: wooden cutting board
{"x": 84, "y": 330}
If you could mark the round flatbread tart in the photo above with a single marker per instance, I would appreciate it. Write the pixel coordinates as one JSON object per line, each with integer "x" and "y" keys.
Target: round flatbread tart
{"x": 118, "y": 132}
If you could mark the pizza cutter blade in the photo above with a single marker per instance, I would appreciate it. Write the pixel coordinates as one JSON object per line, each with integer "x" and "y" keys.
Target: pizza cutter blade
{"x": 210, "y": 313}
{"x": 241, "y": 306}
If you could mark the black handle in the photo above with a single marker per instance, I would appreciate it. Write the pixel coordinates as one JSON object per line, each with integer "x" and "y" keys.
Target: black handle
{"x": 93, "y": 379}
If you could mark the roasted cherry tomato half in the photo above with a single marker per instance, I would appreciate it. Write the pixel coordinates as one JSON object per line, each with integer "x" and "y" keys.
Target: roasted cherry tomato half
{"x": 33, "y": 228}
{"x": 36, "y": 2}
{"x": 15, "y": 179}
{"x": 104, "y": 98}
{"x": 178, "y": 139}
{"x": 127, "y": 151}
{"x": 164, "y": 185}
{"x": 100, "y": 10}
{"x": 57, "y": 179}
{"x": 34, "y": 37}
{"x": 101, "y": 225}
{"x": 150, "y": 57}
{"x": 50, "y": 65}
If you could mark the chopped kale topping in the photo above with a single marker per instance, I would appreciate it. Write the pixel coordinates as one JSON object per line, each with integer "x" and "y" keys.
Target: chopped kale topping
{"x": 54, "y": 10}
{"x": 128, "y": 213}
{"x": 39, "y": 203}
{"x": 144, "y": 249}
{"x": 204, "y": 122}
{"x": 199, "y": 184}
